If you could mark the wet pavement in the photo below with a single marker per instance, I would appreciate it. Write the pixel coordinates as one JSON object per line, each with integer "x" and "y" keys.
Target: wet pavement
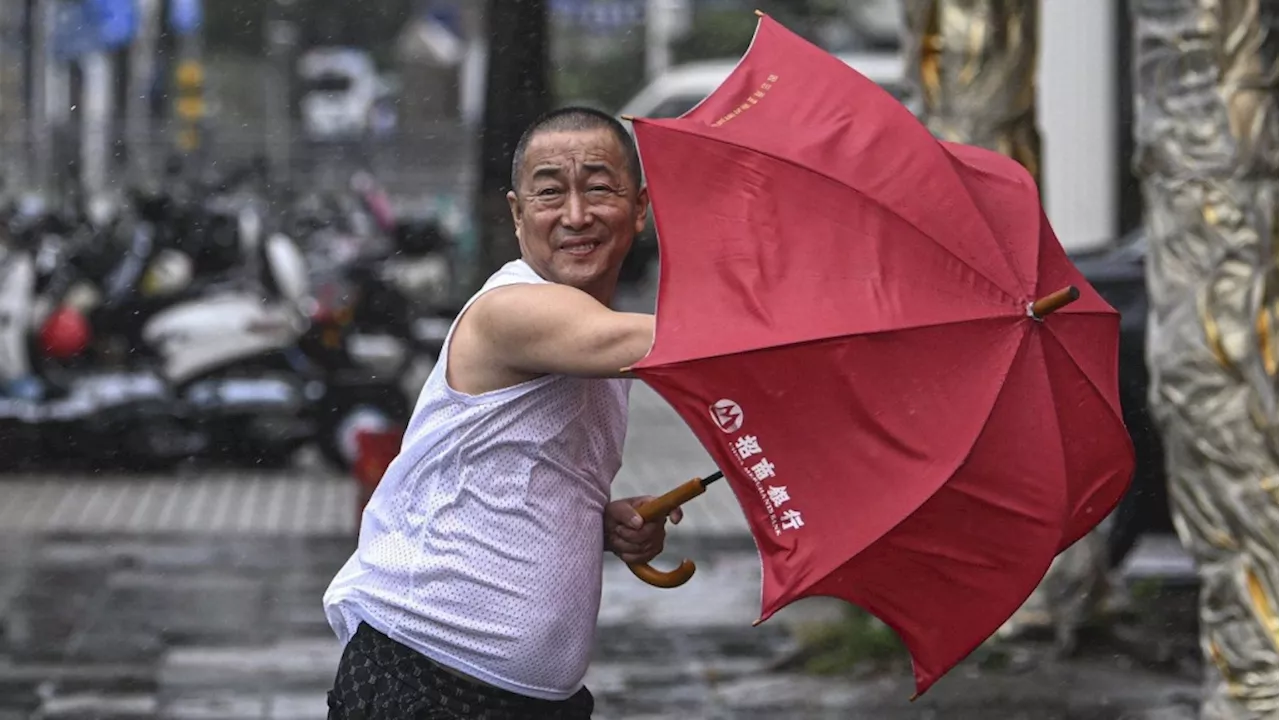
{"x": 196, "y": 596}
{"x": 126, "y": 627}
{"x": 661, "y": 453}
{"x": 226, "y": 627}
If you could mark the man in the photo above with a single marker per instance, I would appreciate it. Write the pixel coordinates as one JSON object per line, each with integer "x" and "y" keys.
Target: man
{"x": 476, "y": 585}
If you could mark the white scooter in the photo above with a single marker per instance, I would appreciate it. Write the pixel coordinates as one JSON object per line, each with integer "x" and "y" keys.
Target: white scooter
{"x": 229, "y": 350}
{"x": 41, "y": 420}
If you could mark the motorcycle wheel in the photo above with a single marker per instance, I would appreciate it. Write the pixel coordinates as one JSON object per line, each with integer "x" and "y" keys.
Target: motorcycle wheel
{"x": 336, "y": 439}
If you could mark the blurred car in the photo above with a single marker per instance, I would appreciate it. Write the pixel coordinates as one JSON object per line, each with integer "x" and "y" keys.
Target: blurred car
{"x": 676, "y": 92}
{"x": 1118, "y": 273}
{"x": 339, "y": 89}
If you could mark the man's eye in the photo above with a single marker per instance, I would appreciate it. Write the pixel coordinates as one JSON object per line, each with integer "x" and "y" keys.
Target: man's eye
{"x": 546, "y": 192}
{"x": 600, "y": 188}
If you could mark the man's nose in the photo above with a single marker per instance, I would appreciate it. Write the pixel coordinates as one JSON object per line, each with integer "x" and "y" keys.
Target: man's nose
{"x": 575, "y": 213}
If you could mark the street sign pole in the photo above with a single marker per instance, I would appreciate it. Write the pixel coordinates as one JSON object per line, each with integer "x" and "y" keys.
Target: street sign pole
{"x": 142, "y": 71}
{"x": 186, "y": 18}
{"x": 99, "y": 29}
{"x": 40, "y": 127}
{"x": 282, "y": 42}
{"x": 13, "y": 111}
{"x": 96, "y": 105}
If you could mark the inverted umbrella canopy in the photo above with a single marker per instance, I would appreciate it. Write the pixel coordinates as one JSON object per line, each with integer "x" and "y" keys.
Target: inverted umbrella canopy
{"x": 847, "y": 320}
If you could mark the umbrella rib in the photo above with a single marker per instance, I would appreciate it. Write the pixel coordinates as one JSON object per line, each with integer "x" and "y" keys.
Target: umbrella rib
{"x": 1116, "y": 414}
{"x": 824, "y": 574}
{"x": 1092, "y": 385}
{"x": 807, "y": 341}
{"x": 1056, "y": 418}
{"x": 1004, "y": 250}
{"x": 843, "y": 184}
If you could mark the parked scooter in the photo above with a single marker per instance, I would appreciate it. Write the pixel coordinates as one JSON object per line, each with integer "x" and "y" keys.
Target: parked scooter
{"x": 195, "y": 322}
{"x": 316, "y": 398}
{"x": 211, "y": 357}
{"x": 227, "y": 344}
{"x": 383, "y": 308}
{"x": 20, "y": 394}
{"x": 95, "y": 417}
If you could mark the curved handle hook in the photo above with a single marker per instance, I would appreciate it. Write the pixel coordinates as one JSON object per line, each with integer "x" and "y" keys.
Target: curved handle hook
{"x": 665, "y": 579}
{"x": 660, "y": 507}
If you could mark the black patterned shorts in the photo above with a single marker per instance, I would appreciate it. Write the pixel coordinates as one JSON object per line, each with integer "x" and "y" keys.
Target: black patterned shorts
{"x": 380, "y": 679}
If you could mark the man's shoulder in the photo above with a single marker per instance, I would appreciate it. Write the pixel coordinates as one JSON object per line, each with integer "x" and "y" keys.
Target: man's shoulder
{"x": 500, "y": 323}
{"x": 529, "y": 302}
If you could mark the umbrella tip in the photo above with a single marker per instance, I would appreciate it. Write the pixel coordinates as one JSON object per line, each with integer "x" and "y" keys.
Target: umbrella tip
{"x": 1053, "y": 302}
{"x": 914, "y": 697}
{"x": 628, "y": 118}
{"x": 759, "y": 13}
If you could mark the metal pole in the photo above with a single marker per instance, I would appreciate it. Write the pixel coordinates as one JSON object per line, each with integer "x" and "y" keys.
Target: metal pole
{"x": 58, "y": 113}
{"x": 657, "y": 38}
{"x": 282, "y": 40}
{"x": 1205, "y": 151}
{"x": 40, "y": 130}
{"x": 96, "y": 105}
{"x": 142, "y": 70}
{"x": 189, "y": 102}
{"x": 664, "y": 21}
{"x": 12, "y": 91}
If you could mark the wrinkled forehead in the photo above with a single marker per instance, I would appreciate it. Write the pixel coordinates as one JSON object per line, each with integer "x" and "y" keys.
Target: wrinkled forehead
{"x": 573, "y": 152}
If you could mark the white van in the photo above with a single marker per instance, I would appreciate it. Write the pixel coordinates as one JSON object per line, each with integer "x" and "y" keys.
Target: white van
{"x": 676, "y": 91}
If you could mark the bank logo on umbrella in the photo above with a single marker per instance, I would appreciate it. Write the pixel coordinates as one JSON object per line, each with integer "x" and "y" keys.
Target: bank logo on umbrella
{"x": 728, "y": 415}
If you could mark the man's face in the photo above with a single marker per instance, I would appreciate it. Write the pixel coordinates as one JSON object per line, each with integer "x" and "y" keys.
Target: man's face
{"x": 576, "y": 211}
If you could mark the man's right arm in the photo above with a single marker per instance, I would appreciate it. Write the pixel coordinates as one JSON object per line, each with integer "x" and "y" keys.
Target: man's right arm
{"x": 560, "y": 330}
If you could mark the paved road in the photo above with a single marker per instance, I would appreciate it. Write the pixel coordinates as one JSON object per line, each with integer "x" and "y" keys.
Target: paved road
{"x": 228, "y": 627}
{"x": 660, "y": 454}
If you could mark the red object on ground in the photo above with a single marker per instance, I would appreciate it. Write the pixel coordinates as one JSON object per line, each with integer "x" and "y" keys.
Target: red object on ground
{"x": 65, "y": 333}
{"x": 374, "y": 452}
{"x": 844, "y": 323}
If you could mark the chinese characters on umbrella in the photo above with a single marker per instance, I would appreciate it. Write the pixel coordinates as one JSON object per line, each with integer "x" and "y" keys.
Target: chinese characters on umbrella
{"x": 763, "y": 473}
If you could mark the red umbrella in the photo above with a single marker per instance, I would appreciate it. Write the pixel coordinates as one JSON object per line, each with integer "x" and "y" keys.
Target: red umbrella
{"x": 855, "y": 321}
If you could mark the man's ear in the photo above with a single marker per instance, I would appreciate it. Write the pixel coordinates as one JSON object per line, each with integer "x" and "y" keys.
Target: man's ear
{"x": 513, "y": 202}
{"x": 642, "y": 208}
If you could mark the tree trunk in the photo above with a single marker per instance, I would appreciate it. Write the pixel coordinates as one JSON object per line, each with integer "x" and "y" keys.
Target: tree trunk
{"x": 516, "y": 92}
{"x": 1205, "y": 126}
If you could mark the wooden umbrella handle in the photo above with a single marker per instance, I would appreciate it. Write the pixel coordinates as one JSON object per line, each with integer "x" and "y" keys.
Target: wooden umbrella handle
{"x": 665, "y": 579}
{"x": 657, "y": 508}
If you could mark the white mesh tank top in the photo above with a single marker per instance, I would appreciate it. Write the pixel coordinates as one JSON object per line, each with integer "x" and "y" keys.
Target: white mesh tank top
{"x": 482, "y": 547}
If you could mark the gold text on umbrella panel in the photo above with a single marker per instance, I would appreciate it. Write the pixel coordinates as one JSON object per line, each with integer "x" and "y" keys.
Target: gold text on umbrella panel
{"x": 747, "y": 104}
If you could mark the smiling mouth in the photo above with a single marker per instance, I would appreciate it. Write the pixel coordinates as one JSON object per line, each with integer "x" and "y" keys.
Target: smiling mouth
{"x": 580, "y": 247}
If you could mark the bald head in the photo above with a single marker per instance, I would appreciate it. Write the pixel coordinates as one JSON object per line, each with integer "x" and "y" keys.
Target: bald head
{"x": 577, "y": 119}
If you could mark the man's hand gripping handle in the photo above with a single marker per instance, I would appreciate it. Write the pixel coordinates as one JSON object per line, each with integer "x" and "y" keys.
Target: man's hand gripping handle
{"x": 658, "y": 508}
